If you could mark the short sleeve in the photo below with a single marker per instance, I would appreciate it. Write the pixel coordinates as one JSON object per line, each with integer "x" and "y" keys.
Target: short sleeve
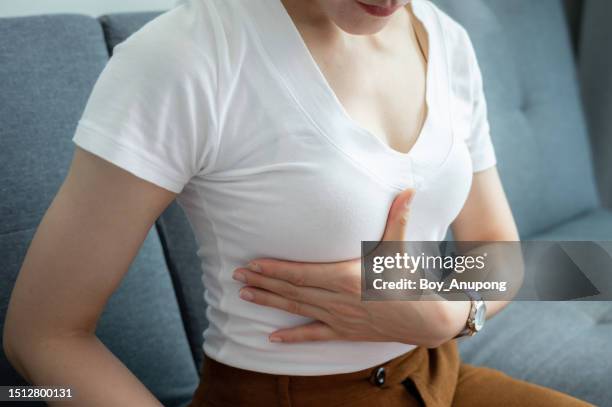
{"x": 151, "y": 110}
{"x": 479, "y": 140}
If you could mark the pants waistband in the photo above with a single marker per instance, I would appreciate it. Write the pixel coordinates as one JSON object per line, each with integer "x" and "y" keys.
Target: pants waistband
{"x": 432, "y": 374}
{"x": 395, "y": 371}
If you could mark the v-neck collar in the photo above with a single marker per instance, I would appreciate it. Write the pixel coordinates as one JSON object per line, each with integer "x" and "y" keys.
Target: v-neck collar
{"x": 291, "y": 58}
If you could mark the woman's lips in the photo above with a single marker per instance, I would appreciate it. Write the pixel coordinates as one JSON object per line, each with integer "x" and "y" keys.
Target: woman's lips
{"x": 378, "y": 11}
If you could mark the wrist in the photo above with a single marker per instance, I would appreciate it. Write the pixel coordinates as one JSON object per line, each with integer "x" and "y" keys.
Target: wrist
{"x": 447, "y": 321}
{"x": 457, "y": 314}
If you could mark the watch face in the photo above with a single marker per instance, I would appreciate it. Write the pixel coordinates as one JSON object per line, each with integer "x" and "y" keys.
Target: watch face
{"x": 479, "y": 318}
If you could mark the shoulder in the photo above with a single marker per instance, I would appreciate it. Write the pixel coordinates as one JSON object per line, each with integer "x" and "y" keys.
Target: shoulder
{"x": 456, "y": 37}
{"x": 459, "y": 50}
{"x": 181, "y": 42}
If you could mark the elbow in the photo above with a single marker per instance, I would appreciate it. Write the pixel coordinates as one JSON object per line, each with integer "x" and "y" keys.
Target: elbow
{"x": 435, "y": 343}
{"x": 17, "y": 343}
{"x": 9, "y": 344}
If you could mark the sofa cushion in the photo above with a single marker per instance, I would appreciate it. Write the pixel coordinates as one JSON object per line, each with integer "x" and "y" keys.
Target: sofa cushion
{"x": 117, "y": 27}
{"x": 548, "y": 342}
{"x": 537, "y": 124}
{"x": 596, "y": 80}
{"x": 49, "y": 65}
{"x": 562, "y": 345}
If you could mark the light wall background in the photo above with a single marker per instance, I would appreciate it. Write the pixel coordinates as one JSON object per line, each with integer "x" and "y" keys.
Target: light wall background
{"x": 10, "y": 8}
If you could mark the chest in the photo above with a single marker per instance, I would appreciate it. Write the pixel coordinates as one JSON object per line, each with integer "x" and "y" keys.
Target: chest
{"x": 389, "y": 104}
{"x": 297, "y": 181}
{"x": 297, "y": 177}
{"x": 381, "y": 86}
{"x": 309, "y": 202}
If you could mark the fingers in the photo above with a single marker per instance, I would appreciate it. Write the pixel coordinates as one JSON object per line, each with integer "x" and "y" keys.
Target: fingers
{"x": 309, "y": 295}
{"x": 270, "y": 299}
{"x": 327, "y": 276}
{"x": 399, "y": 213}
{"x": 314, "y": 331}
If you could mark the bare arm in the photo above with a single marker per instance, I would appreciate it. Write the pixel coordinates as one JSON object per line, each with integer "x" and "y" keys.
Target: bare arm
{"x": 80, "y": 252}
{"x": 486, "y": 216}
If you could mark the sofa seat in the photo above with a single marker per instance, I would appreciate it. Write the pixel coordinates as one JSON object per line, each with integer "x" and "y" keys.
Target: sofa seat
{"x": 545, "y": 342}
{"x": 562, "y": 345}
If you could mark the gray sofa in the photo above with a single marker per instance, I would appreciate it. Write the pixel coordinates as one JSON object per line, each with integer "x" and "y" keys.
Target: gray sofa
{"x": 154, "y": 322}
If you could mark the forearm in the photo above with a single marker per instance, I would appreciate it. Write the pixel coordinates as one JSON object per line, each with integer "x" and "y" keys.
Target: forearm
{"x": 84, "y": 364}
{"x": 456, "y": 314}
{"x": 494, "y": 307}
{"x": 505, "y": 264}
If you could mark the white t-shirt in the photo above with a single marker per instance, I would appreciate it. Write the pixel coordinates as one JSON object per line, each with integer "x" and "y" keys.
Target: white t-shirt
{"x": 221, "y": 101}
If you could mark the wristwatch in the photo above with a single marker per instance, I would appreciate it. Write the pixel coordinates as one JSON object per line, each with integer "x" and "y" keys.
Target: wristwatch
{"x": 477, "y": 316}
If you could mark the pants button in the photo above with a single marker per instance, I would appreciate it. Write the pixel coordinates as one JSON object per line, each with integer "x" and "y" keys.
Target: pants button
{"x": 379, "y": 376}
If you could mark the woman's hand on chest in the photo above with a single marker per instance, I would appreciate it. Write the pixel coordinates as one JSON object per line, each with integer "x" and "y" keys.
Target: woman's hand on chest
{"x": 330, "y": 293}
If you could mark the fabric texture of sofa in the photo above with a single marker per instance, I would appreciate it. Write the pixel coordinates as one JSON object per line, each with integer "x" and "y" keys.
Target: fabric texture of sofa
{"x": 548, "y": 143}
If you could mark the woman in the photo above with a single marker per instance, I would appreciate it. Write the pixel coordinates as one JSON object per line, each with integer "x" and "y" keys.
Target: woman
{"x": 289, "y": 131}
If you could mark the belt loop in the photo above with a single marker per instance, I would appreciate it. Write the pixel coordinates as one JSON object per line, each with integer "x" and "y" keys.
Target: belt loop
{"x": 282, "y": 387}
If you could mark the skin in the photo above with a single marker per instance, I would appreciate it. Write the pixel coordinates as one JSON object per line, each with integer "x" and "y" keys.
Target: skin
{"x": 80, "y": 252}
{"x": 101, "y": 214}
{"x": 390, "y": 104}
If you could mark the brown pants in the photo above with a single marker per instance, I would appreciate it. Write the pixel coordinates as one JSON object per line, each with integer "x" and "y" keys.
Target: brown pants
{"x": 422, "y": 377}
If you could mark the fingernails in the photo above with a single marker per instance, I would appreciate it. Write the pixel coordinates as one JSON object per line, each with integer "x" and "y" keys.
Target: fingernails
{"x": 239, "y": 276}
{"x": 246, "y": 295}
{"x": 276, "y": 339}
{"x": 254, "y": 267}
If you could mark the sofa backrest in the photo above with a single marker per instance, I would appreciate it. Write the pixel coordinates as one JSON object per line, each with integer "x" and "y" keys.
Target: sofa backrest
{"x": 48, "y": 65}
{"x": 596, "y": 80}
{"x": 536, "y": 116}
